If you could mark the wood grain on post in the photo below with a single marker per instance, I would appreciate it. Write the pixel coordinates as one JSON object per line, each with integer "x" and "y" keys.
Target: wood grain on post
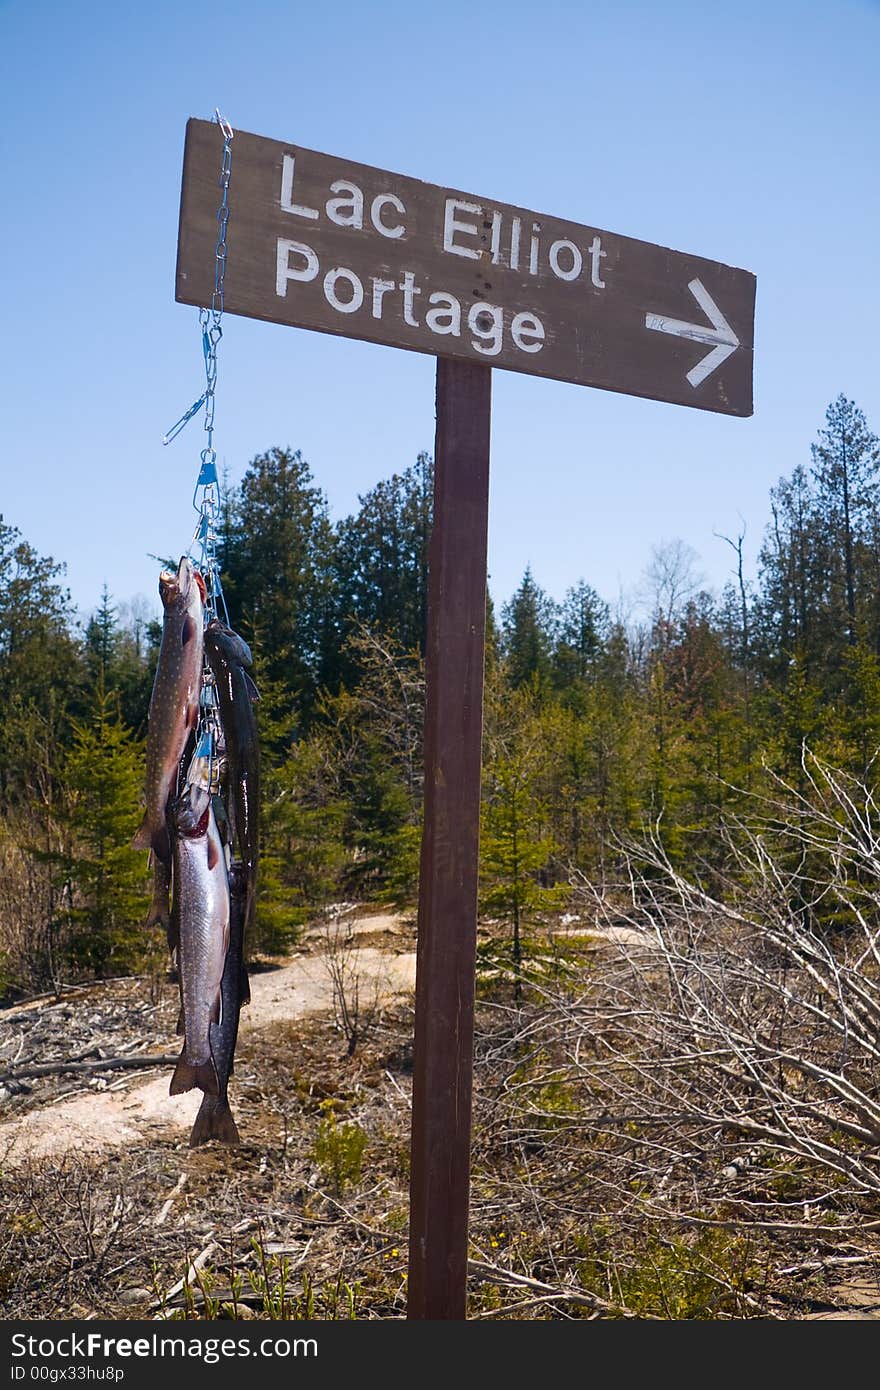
{"x": 442, "y": 1083}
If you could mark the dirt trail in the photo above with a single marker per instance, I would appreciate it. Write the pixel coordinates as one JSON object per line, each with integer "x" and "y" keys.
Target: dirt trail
{"x": 108, "y": 1120}
{"x": 103, "y": 1121}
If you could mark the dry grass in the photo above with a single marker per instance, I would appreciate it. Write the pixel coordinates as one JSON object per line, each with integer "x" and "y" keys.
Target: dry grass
{"x": 563, "y": 1222}
{"x": 678, "y": 1119}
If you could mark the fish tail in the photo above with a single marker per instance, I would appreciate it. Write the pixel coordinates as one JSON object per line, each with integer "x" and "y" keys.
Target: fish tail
{"x": 188, "y": 1075}
{"x": 214, "y": 1121}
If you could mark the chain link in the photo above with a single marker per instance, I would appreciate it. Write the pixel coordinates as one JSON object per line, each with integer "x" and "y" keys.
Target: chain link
{"x": 203, "y": 546}
{"x": 210, "y": 325}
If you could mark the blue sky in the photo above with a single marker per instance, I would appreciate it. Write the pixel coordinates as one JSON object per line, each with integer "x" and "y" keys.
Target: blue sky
{"x": 747, "y": 134}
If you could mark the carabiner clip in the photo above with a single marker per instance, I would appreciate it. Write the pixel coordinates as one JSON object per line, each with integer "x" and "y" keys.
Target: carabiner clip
{"x": 185, "y": 419}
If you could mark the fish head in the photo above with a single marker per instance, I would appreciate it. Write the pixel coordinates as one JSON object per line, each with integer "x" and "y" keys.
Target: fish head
{"x": 175, "y": 587}
{"x": 191, "y": 811}
{"x": 230, "y": 645}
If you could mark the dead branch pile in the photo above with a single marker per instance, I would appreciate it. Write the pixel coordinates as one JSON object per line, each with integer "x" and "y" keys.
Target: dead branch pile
{"x": 717, "y": 1065}
{"x": 90, "y": 1032}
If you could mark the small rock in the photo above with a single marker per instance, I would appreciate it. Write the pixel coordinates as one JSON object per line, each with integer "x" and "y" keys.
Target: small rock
{"x": 129, "y": 1297}
{"x": 243, "y": 1313}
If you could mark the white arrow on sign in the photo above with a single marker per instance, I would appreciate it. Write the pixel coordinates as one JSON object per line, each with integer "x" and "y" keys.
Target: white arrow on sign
{"x": 720, "y": 335}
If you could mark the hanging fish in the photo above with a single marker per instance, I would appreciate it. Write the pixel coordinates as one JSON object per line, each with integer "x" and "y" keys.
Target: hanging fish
{"x": 214, "y": 1120}
{"x": 174, "y": 703}
{"x": 202, "y": 913}
{"x": 163, "y": 912}
{"x": 228, "y": 657}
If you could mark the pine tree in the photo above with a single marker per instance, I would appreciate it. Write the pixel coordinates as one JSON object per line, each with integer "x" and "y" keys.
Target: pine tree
{"x": 102, "y": 638}
{"x": 382, "y": 561}
{"x": 845, "y": 464}
{"x": 275, "y": 561}
{"x": 40, "y": 663}
{"x": 516, "y": 850}
{"x": 529, "y": 626}
{"x": 785, "y": 611}
{"x": 582, "y": 627}
{"x": 820, "y": 563}
{"x": 804, "y": 720}
{"x": 861, "y": 712}
{"x": 104, "y": 775}
{"x": 304, "y": 856}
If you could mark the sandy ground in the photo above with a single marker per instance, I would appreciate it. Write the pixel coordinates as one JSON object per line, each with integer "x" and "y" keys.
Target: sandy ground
{"x": 300, "y": 989}
{"x": 386, "y": 923}
{"x": 623, "y": 936}
{"x": 862, "y": 1298}
{"x": 107, "y": 1120}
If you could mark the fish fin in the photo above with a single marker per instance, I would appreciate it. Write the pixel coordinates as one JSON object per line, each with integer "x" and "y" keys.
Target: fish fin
{"x": 188, "y": 1075}
{"x": 250, "y": 687}
{"x": 213, "y": 856}
{"x": 154, "y": 838}
{"x": 214, "y": 1121}
{"x": 192, "y": 715}
{"x": 143, "y": 836}
{"x": 158, "y": 916}
{"x": 181, "y": 1027}
{"x": 188, "y": 631}
{"x": 217, "y": 1010}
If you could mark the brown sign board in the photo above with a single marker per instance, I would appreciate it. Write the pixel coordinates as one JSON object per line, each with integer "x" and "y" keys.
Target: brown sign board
{"x": 320, "y": 242}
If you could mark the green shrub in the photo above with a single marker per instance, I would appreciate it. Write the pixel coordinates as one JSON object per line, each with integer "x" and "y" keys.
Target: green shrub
{"x": 339, "y": 1151}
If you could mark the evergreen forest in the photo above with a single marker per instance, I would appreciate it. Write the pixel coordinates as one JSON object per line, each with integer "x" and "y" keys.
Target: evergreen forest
{"x": 598, "y": 729}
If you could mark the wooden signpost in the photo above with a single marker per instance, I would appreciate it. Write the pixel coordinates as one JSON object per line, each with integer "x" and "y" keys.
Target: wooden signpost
{"x": 324, "y": 243}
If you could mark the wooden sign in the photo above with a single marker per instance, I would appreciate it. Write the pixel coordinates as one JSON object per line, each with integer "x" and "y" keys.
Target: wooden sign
{"x": 325, "y": 243}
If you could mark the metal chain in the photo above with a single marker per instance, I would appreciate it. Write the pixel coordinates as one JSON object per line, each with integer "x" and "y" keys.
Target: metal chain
{"x": 207, "y": 505}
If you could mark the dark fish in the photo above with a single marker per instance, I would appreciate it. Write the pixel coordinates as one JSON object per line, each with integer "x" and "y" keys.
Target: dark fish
{"x": 214, "y": 1120}
{"x": 202, "y": 909}
{"x": 174, "y": 703}
{"x": 228, "y": 656}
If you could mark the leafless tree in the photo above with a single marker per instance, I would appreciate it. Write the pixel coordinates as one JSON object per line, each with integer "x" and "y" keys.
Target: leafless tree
{"x": 671, "y": 577}
{"x": 356, "y": 997}
{"x": 392, "y": 694}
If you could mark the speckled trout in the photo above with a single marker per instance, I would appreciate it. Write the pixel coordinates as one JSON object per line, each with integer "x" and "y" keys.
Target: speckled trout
{"x": 174, "y": 703}
{"x": 202, "y": 904}
{"x": 215, "y": 1120}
